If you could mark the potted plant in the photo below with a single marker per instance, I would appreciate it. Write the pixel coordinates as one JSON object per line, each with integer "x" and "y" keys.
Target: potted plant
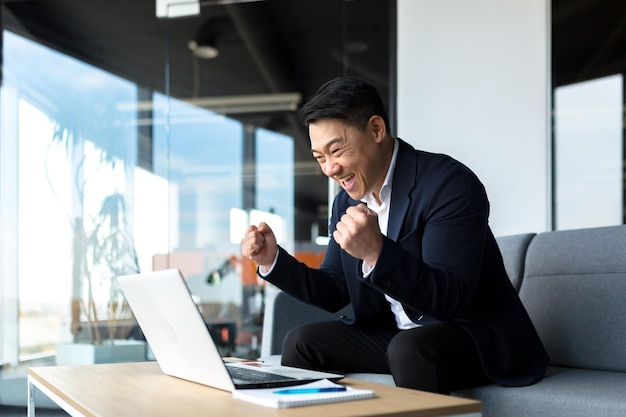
{"x": 107, "y": 252}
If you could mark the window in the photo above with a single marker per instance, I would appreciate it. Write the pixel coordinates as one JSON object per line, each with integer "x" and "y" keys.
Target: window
{"x": 78, "y": 210}
{"x": 589, "y": 153}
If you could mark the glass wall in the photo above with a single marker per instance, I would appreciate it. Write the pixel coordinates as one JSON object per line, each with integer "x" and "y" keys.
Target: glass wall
{"x": 113, "y": 162}
{"x": 81, "y": 206}
{"x": 75, "y": 154}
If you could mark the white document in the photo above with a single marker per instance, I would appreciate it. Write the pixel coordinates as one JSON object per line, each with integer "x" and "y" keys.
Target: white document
{"x": 271, "y": 397}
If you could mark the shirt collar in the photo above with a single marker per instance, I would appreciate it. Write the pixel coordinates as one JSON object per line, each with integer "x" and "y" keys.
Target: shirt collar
{"x": 385, "y": 190}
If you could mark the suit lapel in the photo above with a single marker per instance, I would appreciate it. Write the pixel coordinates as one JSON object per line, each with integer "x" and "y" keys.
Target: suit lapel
{"x": 404, "y": 179}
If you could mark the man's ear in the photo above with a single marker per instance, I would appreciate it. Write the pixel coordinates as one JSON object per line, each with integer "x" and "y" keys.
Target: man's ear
{"x": 377, "y": 126}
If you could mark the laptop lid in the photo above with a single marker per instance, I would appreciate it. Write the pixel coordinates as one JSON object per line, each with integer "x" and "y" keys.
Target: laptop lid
{"x": 182, "y": 345}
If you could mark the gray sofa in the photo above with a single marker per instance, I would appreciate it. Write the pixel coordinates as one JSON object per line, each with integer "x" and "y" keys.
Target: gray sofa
{"x": 573, "y": 284}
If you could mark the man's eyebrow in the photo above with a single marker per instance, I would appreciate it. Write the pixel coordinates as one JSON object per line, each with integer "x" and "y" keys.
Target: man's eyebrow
{"x": 328, "y": 144}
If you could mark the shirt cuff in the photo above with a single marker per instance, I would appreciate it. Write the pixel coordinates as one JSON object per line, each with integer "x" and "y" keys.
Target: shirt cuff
{"x": 263, "y": 273}
{"x": 366, "y": 269}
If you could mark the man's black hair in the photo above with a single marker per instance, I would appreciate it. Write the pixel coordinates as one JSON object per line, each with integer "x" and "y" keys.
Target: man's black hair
{"x": 345, "y": 98}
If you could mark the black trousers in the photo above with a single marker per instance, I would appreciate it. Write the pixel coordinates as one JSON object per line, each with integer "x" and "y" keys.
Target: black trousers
{"x": 437, "y": 357}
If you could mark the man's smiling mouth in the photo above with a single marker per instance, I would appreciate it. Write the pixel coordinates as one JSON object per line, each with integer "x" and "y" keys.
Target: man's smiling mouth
{"x": 347, "y": 182}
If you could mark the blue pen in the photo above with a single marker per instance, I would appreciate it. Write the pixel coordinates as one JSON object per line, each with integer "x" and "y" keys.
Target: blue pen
{"x": 309, "y": 390}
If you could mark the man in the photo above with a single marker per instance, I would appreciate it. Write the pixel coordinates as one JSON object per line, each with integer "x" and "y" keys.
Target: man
{"x": 412, "y": 250}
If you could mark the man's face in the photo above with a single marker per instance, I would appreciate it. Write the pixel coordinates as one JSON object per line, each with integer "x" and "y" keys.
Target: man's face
{"x": 348, "y": 155}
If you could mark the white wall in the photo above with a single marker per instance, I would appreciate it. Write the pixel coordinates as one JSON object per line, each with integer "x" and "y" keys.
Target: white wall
{"x": 473, "y": 82}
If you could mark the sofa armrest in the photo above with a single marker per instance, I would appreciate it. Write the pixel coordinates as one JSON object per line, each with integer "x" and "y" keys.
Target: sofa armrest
{"x": 282, "y": 313}
{"x": 514, "y": 248}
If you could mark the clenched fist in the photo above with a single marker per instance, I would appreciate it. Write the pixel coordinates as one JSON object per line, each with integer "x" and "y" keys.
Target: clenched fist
{"x": 259, "y": 245}
{"x": 358, "y": 233}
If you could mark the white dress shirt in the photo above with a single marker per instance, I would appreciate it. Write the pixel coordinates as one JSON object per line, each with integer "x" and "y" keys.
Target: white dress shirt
{"x": 382, "y": 210}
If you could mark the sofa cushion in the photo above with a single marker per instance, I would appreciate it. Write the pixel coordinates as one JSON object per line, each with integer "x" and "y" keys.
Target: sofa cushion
{"x": 563, "y": 392}
{"x": 573, "y": 289}
{"x": 385, "y": 379}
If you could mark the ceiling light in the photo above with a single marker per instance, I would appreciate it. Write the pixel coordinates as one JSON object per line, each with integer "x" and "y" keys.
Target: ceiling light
{"x": 254, "y": 103}
{"x": 203, "y": 51}
{"x": 181, "y": 8}
{"x": 177, "y": 8}
{"x": 203, "y": 45}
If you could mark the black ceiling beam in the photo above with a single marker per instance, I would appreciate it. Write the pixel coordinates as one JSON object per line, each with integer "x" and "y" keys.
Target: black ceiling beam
{"x": 256, "y": 29}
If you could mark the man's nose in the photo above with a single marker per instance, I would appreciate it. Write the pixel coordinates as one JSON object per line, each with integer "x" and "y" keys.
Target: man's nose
{"x": 330, "y": 167}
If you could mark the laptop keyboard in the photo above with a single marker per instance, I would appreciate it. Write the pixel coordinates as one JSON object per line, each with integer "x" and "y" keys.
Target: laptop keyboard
{"x": 252, "y": 375}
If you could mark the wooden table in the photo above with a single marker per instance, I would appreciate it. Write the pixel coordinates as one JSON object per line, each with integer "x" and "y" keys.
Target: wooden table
{"x": 141, "y": 389}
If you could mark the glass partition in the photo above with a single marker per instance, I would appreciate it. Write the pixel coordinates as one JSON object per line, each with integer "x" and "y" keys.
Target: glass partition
{"x": 88, "y": 207}
{"x": 74, "y": 194}
{"x": 200, "y": 154}
{"x": 223, "y": 175}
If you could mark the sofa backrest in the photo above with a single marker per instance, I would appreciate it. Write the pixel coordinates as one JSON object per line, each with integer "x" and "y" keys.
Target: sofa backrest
{"x": 513, "y": 248}
{"x": 573, "y": 289}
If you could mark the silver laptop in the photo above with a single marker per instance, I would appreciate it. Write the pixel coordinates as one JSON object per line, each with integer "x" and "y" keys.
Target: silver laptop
{"x": 182, "y": 344}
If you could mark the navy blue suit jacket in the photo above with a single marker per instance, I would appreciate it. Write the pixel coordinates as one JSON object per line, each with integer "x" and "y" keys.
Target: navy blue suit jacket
{"x": 439, "y": 259}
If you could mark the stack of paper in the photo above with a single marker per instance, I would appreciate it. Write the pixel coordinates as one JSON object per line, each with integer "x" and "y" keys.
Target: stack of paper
{"x": 318, "y": 392}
